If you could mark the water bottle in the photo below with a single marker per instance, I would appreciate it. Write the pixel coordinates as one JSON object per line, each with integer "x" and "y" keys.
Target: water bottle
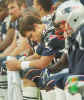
{"x": 73, "y": 85}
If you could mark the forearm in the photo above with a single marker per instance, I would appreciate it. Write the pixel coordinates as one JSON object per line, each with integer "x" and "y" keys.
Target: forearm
{"x": 10, "y": 49}
{"x": 8, "y": 40}
{"x": 33, "y": 57}
{"x": 21, "y": 46}
{"x": 42, "y": 62}
{"x": 61, "y": 64}
{"x": 17, "y": 51}
{"x": 4, "y": 44}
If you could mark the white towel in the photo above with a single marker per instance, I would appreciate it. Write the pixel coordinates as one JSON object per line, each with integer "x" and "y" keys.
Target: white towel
{"x": 14, "y": 86}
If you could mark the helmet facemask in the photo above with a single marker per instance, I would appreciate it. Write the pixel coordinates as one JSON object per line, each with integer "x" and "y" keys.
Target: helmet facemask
{"x": 62, "y": 30}
{"x": 59, "y": 29}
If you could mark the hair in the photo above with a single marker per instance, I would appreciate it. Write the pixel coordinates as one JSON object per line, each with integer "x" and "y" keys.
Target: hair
{"x": 30, "y": 11}
{"x": 45, "y": 4}
{"x": 3, "y": 10}
{"x": 27, "y": 23}
{"x": 3, "y": 5}
{"x": 19, "y": 2}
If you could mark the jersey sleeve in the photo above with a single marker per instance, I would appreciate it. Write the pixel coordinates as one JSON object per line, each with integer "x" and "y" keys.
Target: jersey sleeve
{"x": 52, "y": 47}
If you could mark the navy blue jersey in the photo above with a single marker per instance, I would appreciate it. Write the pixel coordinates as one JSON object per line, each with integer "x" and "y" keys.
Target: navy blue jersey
{"x": 76, "y": 52}
{"x": 50, "y": 44}
{"x": 4, "y": 25}
{"x": 3, "y": 30}
{"x": 15, "y": 24}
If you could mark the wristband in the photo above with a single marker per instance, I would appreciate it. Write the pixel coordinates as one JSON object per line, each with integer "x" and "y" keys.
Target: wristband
{"x": 10, "y": 57}
{"x": 25, "y": 65}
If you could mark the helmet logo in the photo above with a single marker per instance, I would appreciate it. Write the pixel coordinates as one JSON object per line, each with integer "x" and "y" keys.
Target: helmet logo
{"x": 67, "y": 10}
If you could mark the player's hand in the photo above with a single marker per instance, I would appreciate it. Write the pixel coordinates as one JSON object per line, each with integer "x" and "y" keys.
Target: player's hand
{"x": 13, "y": 64}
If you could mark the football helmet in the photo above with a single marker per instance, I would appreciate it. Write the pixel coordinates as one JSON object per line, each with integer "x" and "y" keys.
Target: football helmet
{"x": 71, "y": 12}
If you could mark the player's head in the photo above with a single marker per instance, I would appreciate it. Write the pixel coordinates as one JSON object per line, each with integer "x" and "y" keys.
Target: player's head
{"x": 15, "y": 7}
{"x": 3, "y": 10}
{"x": 43, "y": 6}
{"x": 31, "y": 27}
{"x": 71, "y": 15}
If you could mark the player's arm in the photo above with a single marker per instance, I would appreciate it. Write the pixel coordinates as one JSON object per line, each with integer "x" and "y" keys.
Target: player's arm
{"x": 61, "y": 64}
{"x": 8, "y": 40}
